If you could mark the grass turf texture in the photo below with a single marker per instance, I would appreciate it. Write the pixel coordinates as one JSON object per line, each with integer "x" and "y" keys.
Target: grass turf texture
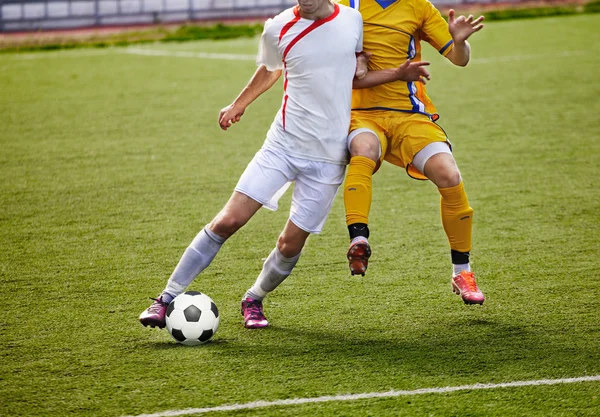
{"x": 111, "y": 164}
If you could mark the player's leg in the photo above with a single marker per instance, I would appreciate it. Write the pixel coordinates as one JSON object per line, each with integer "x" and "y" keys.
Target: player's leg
{"x": 200, "y": 253}
{"x": 257, "y": 185}
{"x": 427, "y": 151}
{"x": 237, "y": 212}
{"x": 314, "y": 192}
{"x": 365, "y": 153}
{"x": 457, "y": 216}
{"x": 276, "y": 268}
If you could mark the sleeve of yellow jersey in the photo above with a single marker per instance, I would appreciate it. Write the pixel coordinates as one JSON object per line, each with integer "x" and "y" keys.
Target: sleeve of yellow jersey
{"x": 434, "y": 28}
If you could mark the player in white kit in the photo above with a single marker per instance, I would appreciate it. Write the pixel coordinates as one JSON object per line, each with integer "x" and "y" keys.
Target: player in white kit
{"x": 314, "y": 45}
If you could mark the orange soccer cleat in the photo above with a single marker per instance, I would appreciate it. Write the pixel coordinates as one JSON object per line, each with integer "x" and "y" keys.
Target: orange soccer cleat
{"x": 464, "y": 285}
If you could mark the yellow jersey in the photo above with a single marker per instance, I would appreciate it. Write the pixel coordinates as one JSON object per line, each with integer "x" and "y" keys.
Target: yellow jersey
{"x": 393, "y": 31}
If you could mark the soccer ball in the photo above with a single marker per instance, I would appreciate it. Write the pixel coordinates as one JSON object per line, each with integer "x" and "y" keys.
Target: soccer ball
{"x": 192, "y": 318}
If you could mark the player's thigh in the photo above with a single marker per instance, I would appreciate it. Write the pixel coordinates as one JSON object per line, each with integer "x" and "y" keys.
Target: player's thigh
{"x": 411, "y": 134}
{"x": 367, "y": 136}
{"x": 265, "y": 175}
{"x": 237, "y": 211}
{"x": 419, "y": 131}
{"x": 440, "y": 167}
{"x": 314, "y": 193}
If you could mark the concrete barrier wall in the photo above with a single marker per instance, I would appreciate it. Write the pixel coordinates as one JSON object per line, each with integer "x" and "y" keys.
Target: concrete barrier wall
{"x": 28, "y": 15}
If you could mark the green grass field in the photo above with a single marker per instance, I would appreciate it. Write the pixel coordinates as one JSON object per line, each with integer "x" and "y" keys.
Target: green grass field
{"x": 112, "y": 162}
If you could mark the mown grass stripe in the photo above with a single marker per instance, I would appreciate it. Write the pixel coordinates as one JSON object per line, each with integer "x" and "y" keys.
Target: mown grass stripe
{"x": 370, "y": 395}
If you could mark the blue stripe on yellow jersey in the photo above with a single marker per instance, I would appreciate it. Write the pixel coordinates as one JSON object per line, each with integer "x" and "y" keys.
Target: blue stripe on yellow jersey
{"x": 393, "y": 31}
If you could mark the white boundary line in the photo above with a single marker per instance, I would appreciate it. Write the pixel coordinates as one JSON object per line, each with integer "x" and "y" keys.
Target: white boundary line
{"x": 241, "y": 57}
{"x": 189, "y": 54}
{"x": 64, "y": 53}
{"x": 351, "y": 397}
{"x": 510, "y": 58}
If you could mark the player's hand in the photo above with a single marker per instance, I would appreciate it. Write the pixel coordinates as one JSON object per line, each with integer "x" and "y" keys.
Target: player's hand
{"x": 413, "y": 71}
{"x": 463, "y": 27}
{"x": 362, "y": 62}
{"x": 229, "y": 115}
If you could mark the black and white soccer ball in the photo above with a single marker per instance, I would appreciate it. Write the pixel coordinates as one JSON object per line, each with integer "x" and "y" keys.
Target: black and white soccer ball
{"x": 192, "y": 318}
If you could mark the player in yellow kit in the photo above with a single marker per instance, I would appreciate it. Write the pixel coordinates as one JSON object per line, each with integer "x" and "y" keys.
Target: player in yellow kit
{"x": 396, "y": 121}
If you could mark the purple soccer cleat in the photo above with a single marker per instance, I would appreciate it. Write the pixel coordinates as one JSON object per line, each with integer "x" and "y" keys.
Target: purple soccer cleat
{"x": 252, "y": 310}
{"x": 154, "y": 316}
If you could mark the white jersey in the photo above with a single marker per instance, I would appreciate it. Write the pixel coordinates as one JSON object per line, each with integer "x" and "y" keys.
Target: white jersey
{"x": 318, "y": 59}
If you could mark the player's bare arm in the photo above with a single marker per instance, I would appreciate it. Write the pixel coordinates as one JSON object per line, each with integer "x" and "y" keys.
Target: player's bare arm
{"x": 261, "y": 81}
{"x": 461, "y": 28}
{"x": 408, "y": 71}
{"x": 362, "y": 62}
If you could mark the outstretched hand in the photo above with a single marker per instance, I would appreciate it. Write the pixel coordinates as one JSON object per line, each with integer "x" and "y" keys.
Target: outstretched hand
{"x": 463, "y": 27}
{"x": 362, "y": 62}
{"x": 414, "y": 71}
{"x": 229, "y": 115}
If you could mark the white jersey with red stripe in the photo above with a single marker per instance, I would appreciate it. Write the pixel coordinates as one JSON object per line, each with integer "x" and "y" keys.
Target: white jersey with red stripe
{"x": 318, "y": 59}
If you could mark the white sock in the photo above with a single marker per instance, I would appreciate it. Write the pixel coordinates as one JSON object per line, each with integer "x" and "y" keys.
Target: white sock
{"x": 358, "y": 239}
{"x": 458, "y": 268}
{"x": 195, "y": 259}
{"x": 171, "y": 291}
{"x": 275, "y": 270}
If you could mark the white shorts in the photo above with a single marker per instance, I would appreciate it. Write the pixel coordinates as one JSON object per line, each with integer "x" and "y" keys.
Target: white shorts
{"x": 270, "y": 173}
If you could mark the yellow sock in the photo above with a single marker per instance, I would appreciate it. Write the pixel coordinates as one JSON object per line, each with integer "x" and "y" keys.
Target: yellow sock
{"x": 457, "y": 217}
{"x": 358, "y": 190}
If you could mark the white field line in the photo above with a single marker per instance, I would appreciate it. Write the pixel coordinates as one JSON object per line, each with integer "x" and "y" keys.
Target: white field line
{"x": 241, "y": 57}
{"x": 351, "y": 397}
{"x": 60, "y": 54}
{"x": 245, "y": 57}
{"x": 190, "y": 54}
{"x": 558, "y": 54}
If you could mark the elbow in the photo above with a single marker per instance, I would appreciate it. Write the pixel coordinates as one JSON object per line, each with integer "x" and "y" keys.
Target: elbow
{"x": 357, "y": 84}
{"x": 460, "y": 61}
{"x": 460, "y": 55}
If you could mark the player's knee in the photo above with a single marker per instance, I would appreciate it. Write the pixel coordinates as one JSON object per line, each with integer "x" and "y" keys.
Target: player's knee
{"x": 441, "y": 169}
{"x": 289, "y": 246}
{"x": 446, "y": 178}
{"x": 225, "y": 226}
{"x": 365, "y": 145}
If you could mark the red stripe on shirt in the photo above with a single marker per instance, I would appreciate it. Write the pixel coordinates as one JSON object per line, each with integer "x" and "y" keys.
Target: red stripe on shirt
{"x": 285, "y": 96}
{"x": 289, "y": 24}
{"x": 285, "y": 99}
{"x": 313, "y": 26}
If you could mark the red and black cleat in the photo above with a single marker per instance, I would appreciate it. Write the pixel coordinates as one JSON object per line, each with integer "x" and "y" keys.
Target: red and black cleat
{"x": 358, "y": 255}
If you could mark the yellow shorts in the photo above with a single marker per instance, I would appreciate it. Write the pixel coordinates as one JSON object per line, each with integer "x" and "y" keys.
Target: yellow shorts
{"x": 400, "y": 134}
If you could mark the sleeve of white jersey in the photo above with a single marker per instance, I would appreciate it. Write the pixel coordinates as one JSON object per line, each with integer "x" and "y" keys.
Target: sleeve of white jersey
{"x": 268, "y": 53}
{"x": 359, "y": 44}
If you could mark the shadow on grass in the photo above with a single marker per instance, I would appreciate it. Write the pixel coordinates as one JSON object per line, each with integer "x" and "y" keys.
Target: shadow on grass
{"x": 481, "y": 348}
{"x": 471, "y": 346}
{"x": 171, "y": 344}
